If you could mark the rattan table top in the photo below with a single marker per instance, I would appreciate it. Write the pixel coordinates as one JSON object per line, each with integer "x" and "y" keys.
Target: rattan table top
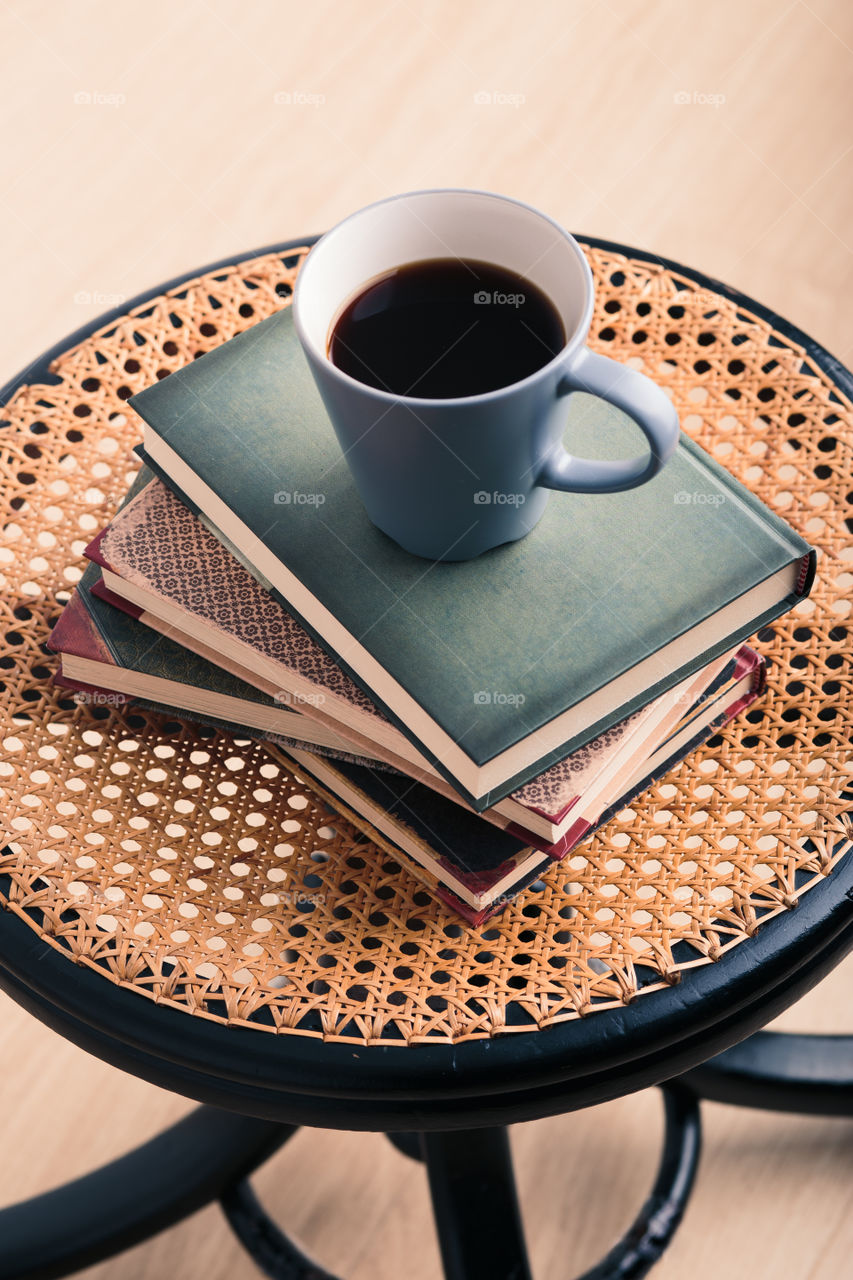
{"x": 202, "y": 872}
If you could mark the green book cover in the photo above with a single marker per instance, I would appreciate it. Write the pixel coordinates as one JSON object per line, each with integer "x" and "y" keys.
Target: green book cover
{"x": 496, "y": 667}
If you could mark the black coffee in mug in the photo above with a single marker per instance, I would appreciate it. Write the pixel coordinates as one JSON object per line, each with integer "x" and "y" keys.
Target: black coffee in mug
{"x": 446, "y": 328}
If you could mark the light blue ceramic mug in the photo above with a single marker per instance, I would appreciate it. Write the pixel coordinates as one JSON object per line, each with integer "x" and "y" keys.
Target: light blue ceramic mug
{"x": 449, "y": 479}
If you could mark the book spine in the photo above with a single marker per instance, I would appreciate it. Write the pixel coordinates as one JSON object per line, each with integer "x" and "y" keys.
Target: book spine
{"x": 808, "y": 569}
{"x": 77, "y": 632}
{"x": 102, "y": 591}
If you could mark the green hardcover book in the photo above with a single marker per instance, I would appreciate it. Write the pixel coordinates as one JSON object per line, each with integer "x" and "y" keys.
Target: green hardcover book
{"x": 495, "y": 668}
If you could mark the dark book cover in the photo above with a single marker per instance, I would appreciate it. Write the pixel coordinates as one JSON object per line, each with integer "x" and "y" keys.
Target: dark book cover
{"x": 471, "y": 659}
{"x": 478, "y": 856}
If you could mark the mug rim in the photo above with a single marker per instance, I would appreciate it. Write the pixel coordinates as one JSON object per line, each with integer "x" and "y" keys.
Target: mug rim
{"x": 573, "y": 341}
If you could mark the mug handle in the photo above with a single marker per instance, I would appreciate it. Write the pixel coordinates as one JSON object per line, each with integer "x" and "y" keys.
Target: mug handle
{"x": 639, "y": 397}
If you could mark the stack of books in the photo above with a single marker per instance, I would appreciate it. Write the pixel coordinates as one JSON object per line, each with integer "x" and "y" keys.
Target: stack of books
{"x": 479, "y": 718}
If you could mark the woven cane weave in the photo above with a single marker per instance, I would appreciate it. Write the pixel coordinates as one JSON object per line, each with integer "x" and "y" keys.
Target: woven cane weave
{"x": 199, "y": 871}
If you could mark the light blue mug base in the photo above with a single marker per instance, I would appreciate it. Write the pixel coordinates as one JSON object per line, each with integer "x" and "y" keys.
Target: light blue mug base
{"x": 488, "y": 535}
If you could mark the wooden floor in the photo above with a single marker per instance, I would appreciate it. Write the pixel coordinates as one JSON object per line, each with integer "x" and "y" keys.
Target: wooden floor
{"x": 139, "y": 142}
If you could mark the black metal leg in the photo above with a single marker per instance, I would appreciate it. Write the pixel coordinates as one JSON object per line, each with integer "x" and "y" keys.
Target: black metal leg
{"x": 476, "y": 1209}
{"x": 653, "y": 1229}
{"x": 475, "y": 1205}
{"x": 408, "y": 1144}
{"x": 811, "y": 1075}
{"x": 210, "y": 1154}
{"x": 474, "y": 1202}
{"x": 269, "y": 1247}
{"x": 134, "y": 1197}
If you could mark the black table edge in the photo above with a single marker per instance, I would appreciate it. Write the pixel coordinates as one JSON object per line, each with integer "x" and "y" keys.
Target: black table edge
{"x": 607, "y": 1053}
{"x": 707, "y": 999}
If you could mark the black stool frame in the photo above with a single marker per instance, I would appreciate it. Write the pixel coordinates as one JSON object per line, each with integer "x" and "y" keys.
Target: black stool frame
{"x": 445, "y": 1106}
